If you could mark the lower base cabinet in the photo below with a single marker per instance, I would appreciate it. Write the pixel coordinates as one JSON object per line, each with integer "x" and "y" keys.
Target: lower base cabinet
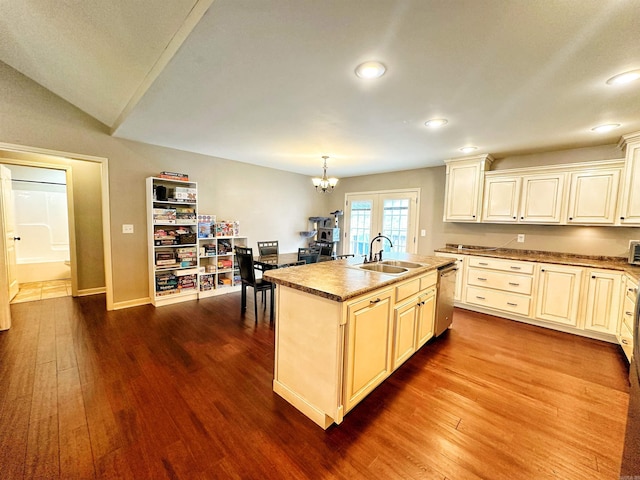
{"x": 559, "y": 294}
{"x": 602, "y": 312}
{"x": 426, "y": 317}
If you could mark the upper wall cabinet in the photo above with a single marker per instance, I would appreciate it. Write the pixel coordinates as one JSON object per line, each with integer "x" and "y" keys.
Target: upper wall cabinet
{"x": 593, "y": 196}
{"x": 519, "y": 198}
{"x": 585, "y": 193}
{"x": 542, "y": 198}
{"x": 630, "y": 200}
{"x": 463, "y": 188}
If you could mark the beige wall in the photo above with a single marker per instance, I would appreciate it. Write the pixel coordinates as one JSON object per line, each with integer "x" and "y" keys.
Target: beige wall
{"x": 270, "y": 204}
{"x": 609, "y": 241}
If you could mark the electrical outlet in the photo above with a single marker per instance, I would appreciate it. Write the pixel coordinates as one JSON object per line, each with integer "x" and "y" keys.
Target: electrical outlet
{"x": 521, "y": 238}
{"x": 127, "y": 228}
{"x": 423, "y": 233}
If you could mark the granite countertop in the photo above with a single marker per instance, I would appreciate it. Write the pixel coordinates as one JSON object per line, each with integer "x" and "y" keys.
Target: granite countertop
{"x": 341, "y": 280}
{"x": 592, "y": 261}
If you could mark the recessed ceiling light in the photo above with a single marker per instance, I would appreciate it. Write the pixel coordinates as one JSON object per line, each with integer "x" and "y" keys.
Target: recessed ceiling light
{"x": 605, "y": 128}
{"x": 436, "y": 122}
{"x": 468, "y": 149}
{"x": 370, "y": 70}
{"x": 625, "y": 77}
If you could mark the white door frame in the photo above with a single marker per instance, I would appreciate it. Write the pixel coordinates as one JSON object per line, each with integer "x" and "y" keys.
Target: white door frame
{"x": 106, "y": 216}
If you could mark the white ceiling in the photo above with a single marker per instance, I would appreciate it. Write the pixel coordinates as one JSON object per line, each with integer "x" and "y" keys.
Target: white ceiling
{"x": 271, "y": 82}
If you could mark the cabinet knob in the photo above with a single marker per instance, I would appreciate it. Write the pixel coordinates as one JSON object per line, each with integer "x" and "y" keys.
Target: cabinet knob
{"x": 521, "y": 218}
{"x": 570, "y": 218}
{"x": 593, "y": 276}
{"x": 515, "y": 218}
{"x": 474, "y": 216}
{"x": 542, "y": 269}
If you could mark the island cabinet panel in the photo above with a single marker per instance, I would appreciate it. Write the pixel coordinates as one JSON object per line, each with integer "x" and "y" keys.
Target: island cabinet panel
{"x": 404, "y": 331}
{"x": 369, "y": 345}
{"x": 309, "y": 349}
{"x": 426, "y": 316}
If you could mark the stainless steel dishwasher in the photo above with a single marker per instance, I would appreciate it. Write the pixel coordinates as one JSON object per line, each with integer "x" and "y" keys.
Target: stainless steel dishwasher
{"x": 444, "y": 304}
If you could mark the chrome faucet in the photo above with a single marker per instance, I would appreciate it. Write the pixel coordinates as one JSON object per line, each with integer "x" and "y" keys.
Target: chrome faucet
{"x": 378, "y": 256}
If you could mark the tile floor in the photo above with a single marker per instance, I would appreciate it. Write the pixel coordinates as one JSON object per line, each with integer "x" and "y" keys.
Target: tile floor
{"x": 30, "y": 292}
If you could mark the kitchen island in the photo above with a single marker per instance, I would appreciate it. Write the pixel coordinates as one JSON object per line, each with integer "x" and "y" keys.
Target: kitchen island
{"x": 341, "y": 330}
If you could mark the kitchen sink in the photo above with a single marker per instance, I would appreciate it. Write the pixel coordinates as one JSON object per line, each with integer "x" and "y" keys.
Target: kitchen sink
{"x": 400, "y": 263}
{"x": 382, "y": 268}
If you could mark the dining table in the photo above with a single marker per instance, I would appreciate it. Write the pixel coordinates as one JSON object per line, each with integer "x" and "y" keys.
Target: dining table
{"x": 278, "y": 260}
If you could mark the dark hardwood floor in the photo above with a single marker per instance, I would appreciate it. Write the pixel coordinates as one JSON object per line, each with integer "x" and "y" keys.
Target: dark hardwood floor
{"x": 185, "y": 392}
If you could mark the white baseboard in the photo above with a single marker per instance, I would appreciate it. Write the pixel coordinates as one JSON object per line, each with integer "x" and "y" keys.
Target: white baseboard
{"x": 131, "y": 303}
{"x": 91, "y": 291}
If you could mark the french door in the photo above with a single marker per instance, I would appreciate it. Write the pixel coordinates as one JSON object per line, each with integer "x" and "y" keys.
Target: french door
{"x": 392, "y": 213}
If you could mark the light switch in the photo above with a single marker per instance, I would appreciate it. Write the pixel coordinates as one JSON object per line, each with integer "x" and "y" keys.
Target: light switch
{"x": 127, "y": 228}
{"x": 423, "y": 233}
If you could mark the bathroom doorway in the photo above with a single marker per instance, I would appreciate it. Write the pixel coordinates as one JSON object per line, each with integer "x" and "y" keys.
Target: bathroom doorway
{"x": 43, "y": 260}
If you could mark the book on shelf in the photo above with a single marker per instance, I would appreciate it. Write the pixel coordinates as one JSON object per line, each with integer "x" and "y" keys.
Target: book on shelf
{"x": 174, "y": 176}
{"x": 164, "y": 215}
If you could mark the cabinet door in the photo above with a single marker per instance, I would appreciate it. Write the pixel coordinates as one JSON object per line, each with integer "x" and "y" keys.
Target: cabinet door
{"x": 426, "y": 318}
{"x": 630, "y": 211}
{"x": 501, "y": 199}
{"x": 541, "y": 200}
{"x": 404, "y": 331}
{"x": 559, "y": 294}
{"x": 368, "y": 355}
{"x": 463, "y": 191}
{"x": 603, "y": 302}
{"x": 593, "y": 196}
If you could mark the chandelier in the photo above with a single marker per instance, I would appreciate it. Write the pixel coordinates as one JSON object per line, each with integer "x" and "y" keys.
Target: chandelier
{"x": 324, "y": 184}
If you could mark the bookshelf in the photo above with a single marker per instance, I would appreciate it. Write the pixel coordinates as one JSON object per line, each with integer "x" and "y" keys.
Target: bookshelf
{"x": 172, "y": 209}
{"x": 218, "y": 272}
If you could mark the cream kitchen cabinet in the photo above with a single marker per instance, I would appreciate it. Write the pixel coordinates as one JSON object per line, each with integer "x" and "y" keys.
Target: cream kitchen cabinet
{"x": 542, "y": 198}
{"x": 369, "y": 345}
{"x": 626, "y": 325}
{"x": 501, "y": 198}
{"x": 593, "y": 196}
{"x": 630, "y": 200}
{"x": 463, "y": 188}
{"x": 517, "y": 198}
{"x": 558, "y": 298}
{"x": 603, "y": 295}
{"x": 414, "y": 316}
{"x": 504, "y": 285}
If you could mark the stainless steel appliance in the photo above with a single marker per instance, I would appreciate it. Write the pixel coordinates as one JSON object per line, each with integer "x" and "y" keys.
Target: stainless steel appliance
{"x": 444, "y": 303}
{"x": 631, "y": 455}
{"x": 634, "y": 252}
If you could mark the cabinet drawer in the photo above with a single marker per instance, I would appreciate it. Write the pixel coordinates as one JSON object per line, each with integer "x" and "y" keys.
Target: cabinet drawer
{"x": 632, "y": 290}
{"x": 626, "y": 341}
{"x": 500, "y": 280}
{"x": 428, "y": 280}
{"x": 504, "y": 265}
{"x": 406, "y": 289}
{"x": 507, "y": 302}
{"x": 628, "y": 312}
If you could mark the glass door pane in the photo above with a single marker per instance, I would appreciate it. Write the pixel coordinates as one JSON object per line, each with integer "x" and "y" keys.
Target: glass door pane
{"x": 395, "y": 216}
{"x": 359, "y": 226}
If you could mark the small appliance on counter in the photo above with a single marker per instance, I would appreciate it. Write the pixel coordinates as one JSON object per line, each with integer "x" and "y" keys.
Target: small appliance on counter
{"x": 634, "y": 252}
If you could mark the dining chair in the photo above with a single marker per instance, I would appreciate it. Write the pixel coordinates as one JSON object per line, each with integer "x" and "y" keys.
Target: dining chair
{"x": 244, "y": 256}
{"x": 268, "y": 248}
{"x": 308, "y": 255}
{"x": 326, "y": 249}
